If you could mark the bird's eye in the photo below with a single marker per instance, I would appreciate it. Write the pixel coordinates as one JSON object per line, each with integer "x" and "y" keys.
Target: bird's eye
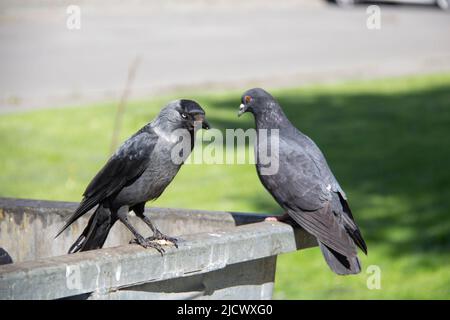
{"x": 247, "y": 99}
{"x": 184, "y": 115}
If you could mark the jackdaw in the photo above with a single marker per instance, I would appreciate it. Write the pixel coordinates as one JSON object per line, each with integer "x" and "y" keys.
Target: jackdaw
{"x": 304, "y": 185}
{"x": 139, "y": 171}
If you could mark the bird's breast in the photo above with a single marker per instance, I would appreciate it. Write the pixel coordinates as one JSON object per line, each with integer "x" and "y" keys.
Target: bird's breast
{"x": 151, "y": 183}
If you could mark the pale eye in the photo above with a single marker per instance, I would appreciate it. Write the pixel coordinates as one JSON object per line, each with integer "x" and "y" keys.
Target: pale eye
{"x": 184, "y": 115}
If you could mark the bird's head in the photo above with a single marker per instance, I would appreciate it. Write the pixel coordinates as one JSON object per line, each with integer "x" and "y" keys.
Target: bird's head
{"x": 256, "y": 101}
{"x": 184, "y": 114}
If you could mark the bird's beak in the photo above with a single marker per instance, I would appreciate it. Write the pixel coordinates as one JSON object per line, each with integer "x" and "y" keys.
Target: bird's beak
{"x": 205, "y": 124}
{"x": 201, "y": 118}
{"x": 242, "y": 109}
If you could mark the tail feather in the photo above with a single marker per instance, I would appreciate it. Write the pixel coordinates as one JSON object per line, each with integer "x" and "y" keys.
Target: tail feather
{"x": 350, "y": 225}
{"x": 95, "y": 233}
{"x": 86, "y": 205}
{"x": 339, "y": 263}
{"x": 356, "y": 235}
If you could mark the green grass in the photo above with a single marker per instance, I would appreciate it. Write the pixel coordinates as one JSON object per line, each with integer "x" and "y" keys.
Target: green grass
{"x": 387, "y": 141}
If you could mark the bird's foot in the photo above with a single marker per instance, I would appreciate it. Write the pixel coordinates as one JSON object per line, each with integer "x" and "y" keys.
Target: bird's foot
{"x": 285, "y": 218}
{"x": 158, "y": 236}
{"x": 147, "y": 243}
{"x": 282, "y": 218}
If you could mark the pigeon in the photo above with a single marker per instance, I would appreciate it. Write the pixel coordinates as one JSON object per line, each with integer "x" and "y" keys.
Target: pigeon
{"x": 304, "y": 185}
{"x": 139, "y": 171}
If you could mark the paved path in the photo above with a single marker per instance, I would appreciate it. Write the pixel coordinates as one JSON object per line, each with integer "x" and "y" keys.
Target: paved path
{"x": 219, "y": 45}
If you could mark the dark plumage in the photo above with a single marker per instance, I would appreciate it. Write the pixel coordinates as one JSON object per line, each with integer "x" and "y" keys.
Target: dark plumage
{"x": 305, "y": 187}
{"x": 5, "y": 258}
{"x": 139, "y": 171}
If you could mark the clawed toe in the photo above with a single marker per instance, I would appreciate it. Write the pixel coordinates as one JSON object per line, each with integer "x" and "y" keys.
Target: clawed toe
{"x": 173, "y": 241}
{"x": 147, "y": 243}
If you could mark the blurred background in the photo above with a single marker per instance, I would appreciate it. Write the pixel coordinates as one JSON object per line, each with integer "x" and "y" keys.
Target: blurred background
{"x": 371, "y": 85}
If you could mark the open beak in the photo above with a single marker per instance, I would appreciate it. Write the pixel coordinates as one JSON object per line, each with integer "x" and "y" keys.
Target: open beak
{"x": 242, "y": 109}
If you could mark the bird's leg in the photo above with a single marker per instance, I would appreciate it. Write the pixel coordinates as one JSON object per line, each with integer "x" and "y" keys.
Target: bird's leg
{"x": 157, "y": 235}
{"x": 123, "y": 217}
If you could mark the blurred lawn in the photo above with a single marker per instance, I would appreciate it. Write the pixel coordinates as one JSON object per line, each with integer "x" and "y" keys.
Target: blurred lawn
{"x": 387, "y": 141}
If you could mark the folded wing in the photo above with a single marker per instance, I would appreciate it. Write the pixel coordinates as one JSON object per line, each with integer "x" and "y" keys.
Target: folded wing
{"x": 122, "y": 169}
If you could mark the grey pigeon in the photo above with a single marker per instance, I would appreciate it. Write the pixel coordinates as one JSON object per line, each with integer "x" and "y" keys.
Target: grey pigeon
{"x": 137, "y": 172}
{"x": 305, "y": 187}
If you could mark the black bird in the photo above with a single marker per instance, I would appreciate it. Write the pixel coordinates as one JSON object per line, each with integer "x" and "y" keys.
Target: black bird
{"x": 137, "y": 172}
{"x": 5, "y": 258}
{"x": 304, "y": 185}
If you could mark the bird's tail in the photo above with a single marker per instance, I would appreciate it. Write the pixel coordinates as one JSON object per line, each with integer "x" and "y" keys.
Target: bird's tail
{"x": 339, "y": 263}
{"x": 96, "y": 231}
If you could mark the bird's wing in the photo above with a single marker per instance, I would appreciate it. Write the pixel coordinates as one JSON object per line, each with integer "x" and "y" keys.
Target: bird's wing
{"x": 326, "y": 227}
{"x": 303, "y": 186}
{"x": 299, "y": 180}
{"x": 341, "y": 206}
{"x": 124, "y": 167}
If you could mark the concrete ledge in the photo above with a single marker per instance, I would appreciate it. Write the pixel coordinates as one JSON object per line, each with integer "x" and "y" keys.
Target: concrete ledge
{"x": 107, "y": 270}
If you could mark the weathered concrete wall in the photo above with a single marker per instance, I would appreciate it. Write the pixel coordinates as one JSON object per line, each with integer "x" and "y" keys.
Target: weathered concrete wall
{"x": 251, "y": 280}
{"x": 28, "y": 227}
{"x": 220, "y": 255}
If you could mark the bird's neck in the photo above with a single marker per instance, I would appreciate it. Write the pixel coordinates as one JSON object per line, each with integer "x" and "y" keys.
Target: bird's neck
{"x": 166, "y": 130}
{"x": 271, "y": 118}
